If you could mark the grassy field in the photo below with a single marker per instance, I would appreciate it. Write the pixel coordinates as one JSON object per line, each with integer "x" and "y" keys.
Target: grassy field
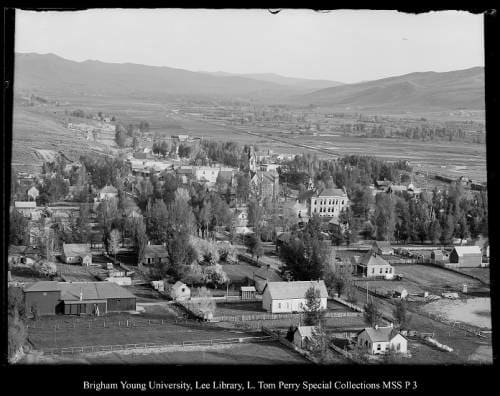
{"x": 481, "y": 273}
{"x": 267, "y": 353}
{"x": 383, "y": 287}
{"x": 168, "y": 333}
{"x": 435, "y": 279}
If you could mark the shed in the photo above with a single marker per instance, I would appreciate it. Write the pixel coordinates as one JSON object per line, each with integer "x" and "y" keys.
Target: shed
{"x": 180, "y": 291}
{"x": 437, "y": 256}
{"x": 303, "y": 335}
{"x": 154, "y": 254}
{"x": 42, "y": 297}
{"x": 247, "y": 292}
{"x": 466, "y": 256}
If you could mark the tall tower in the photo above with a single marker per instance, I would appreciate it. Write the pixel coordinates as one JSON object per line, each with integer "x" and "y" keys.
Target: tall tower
{"x": 252, "y": 160}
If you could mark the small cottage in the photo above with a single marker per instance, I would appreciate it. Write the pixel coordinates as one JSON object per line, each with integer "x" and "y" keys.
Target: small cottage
{"x": 303, "y": 336}
{"x": 379, "y": 340}
{"x": 154, "y": 254}
{"x": 372, "y": 265}
{"x": 77, "y": 253}
{"x": 180, "y": 291}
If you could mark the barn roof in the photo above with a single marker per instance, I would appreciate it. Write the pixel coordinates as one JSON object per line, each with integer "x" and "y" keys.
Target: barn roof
{"x": 92, "y": 291}
{"x": 43, "y": 286}
{"x": 461, "y": 250}
{"x": 294, "y": 290}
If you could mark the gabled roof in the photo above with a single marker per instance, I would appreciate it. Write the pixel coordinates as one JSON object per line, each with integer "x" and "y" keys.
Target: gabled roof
{"x": 461, "y": 250}
{"x": 155, "y": 250}
{"x": 177, "y": 285}
{"x": 92, "y": 290}
{"x": 381, "y": 334}
{"x": 371, "y": 258}
{"x": 76, "y": 249}
{"x": 294, "y": 290}
{"x": 305, "y": 331}
{"x": 43, "y": 286}
{"x": 267, "y": 274}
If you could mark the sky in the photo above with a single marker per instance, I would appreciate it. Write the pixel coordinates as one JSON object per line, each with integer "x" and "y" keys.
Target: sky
{"x": 345, "y": 45}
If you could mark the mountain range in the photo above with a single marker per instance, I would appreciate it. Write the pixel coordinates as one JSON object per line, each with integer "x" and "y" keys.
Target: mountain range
{"x": 52, "y": 75}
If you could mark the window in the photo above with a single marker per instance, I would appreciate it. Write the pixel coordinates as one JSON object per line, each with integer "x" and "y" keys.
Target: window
{"x": 373, "y": 270}
{"x": 279, "y": 305}
{"x": 379, "y": 347}
{"x": 398, "y": 347}
{"x": 381, "y": 270}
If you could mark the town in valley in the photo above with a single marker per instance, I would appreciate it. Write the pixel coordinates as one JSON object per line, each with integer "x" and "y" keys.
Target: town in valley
{"x": 164, "y": 216}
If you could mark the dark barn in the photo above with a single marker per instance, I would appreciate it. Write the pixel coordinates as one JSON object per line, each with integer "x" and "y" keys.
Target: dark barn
{"x": 79, "y": 298}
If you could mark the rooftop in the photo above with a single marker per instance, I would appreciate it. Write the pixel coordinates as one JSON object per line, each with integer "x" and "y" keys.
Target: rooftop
{"x": 461, "y": 250}
{"x": 332, "y": 192}
{"x": 381, "y": 334}
{"x": 372, "y": 258}
{"x": 293, "y": 290}
{"x": 76, "y": 249}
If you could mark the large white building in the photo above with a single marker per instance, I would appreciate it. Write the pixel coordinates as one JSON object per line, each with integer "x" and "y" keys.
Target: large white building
{"x": 330, "y": 202}
{"x": 287, "y": 297}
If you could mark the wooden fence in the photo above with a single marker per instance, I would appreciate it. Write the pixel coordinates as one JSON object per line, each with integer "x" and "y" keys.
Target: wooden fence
{"x": 111, "y": 348}
{"x": 270, "y": 316}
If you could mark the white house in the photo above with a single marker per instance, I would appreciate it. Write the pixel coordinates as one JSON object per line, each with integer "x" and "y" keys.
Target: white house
{"x": 287, "y": 297}
{"x": 180, "y": 291}
{"x": 383, "y": 247}
{"x": 380, "y": 340}
{"x": 372, "y": 265}
{"x": 303, "y": 336}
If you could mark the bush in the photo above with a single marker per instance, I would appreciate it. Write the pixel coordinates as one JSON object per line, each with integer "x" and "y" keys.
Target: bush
{"x": 215, "y": 275}
{"x": 206, "y": 251}
{"x": 227, "y": 252}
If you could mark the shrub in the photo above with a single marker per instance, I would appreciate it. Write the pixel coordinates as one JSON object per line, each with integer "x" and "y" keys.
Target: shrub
{"x": 206, "y": 251}
{"x": 227, "y": 252}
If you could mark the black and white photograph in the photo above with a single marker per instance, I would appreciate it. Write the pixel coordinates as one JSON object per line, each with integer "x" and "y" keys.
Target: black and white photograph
{"x": 248, "y": 187}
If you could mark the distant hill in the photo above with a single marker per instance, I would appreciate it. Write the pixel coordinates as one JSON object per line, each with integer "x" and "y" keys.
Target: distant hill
{"x": 56, "y": 76}
{"x": 461, "y": 89}
{"x": 298, "y": 83}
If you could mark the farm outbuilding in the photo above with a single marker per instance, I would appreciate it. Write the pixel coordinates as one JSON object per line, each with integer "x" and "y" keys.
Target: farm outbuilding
{"x": 77, "y": 298}
{"x": 466, "y": 256}
{"x": 77, "y": 253}
{"x": 247, "y": 292}
{"x": 303, "y": 336}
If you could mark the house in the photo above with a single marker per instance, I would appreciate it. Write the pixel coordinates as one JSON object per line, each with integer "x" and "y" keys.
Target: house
{"x": 382, "y": 247}
{"x": 33, "y": 193}
{"x": 108, "y": 192}
{"x": 247, "y": 292}
{"x": 154, "y": 254}
{"x": 466, "y": 256}
{"x": 380, "y": 340}
{"x": 303, "y": 336}
{"x": 77, "y": 298}
{"x": 287, "y": 297}
{"x": 180, "y": 291}
{"x": 372, "y": 265}
{"x": 330, "y": 202}
{"x": 77, "y": 253}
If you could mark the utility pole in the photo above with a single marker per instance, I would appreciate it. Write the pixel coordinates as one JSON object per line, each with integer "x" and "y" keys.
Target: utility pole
{"x": 367, "y": 292}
